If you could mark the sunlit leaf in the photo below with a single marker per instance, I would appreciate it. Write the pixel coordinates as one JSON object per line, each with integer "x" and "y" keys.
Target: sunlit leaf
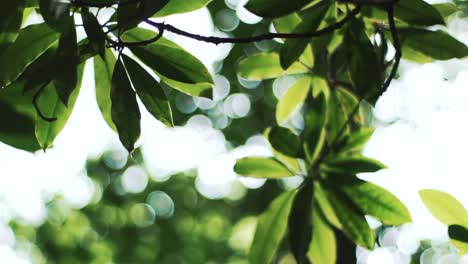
{"x": 260, "y": 167}
{"x": 30, "y": 44}
{"x": 357, "y": 140}
{"x": 444, "y": 207}
{"x": 103, "y": 68}
{"x": 52, "y": 106}
{"x": 181, "y": 6}
{"x": 266, "y": 66}
{"x": 446, "y": 9}
{"x": 271, "y": 227}
{"x": 292, "y": 99}
{"x": 323, "y": 248}
{"x": 374, "y": 200}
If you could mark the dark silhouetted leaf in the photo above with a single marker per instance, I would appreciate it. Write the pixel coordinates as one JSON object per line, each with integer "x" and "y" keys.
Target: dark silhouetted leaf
{"x": 149, "y": 91}
{"x": 124, "y": 107}
{"x": 459, "y": 237}
{"x": 94, "y": 32}
{"x": 285, "y": 141}
{"x": 275, "y": 8}
{"x": 314, "y": 128}
{"x": 11, "y": 16}
{"x": 418, "y": 12}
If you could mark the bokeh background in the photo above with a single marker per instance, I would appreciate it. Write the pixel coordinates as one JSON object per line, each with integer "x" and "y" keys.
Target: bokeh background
{"x": 177, "y": 198}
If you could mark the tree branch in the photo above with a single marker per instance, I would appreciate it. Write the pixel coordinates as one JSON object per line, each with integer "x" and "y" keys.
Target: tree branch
{"x": 396, "y": 45}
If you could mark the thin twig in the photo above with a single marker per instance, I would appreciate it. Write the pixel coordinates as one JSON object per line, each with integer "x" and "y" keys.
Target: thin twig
{"x": 396, "y": 45}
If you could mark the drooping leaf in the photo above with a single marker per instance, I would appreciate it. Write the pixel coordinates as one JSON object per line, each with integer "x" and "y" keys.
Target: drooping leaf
{"x": 66, "y": 76}
{"x": 51, "y": 106}
{"x": 352, "y": 219}
{"x": 350, "y": 165}
{"x": 422, "y": 45}
{"x": 459, "y": 237}
{"x": 131, "y": 14}
{"x": 11, "y": 16}
{"x": 94, "y": 32}
{"x": 149, "y": 91}
{"x": 374, "y": 200}
{"x": 200, "y": 89}
{"x": 181, "y": 6}
{"x": 314, "y": 128}
{"x": 168, "y": 59}
{"x": 55, "y": 12}
{"x": 275, "y": 8}
{"x": 323, "y": 249}
{"x": 285, "y": 141}
{"x": 300, "y": 222}
{"x": 30, "y": 44}
{"x": 103, "y": 68}
{"x": 445, "y": 207}
{"x": 364, "y": 68}
{"x": 266, "y": 66}
{"x": 271, "y": 227}
{"x": 18, "y": 132}
{"x": 337, "y": 120}
{"x": 124, "y": 107}
{"x": 418, "y": 12}
{"x": 293, "y": 48}
{"x": 260, "y": 167}
{"x": 292, "y": 99}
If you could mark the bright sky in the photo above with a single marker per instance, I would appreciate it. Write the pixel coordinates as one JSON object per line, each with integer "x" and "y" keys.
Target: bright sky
{"x": 423, "y": 144}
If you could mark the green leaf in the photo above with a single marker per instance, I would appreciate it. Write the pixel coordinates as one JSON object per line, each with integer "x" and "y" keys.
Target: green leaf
{"x": 352, "y": 219}
{"x": 30, "y": 44}
{"x": 285, "y": 141}
{"x": 292, "y": 99}
{"x": 103, "y": 68}
{"x": 356, "y": 141}
{"x": 266, "y": 66}
{"x": 51, "y": 105}
{"x": 149, "y": 91}
{"x": 293, "y": 164}
{"x": 314, "y": 128}
{"x": 94, "y": 32}
{"x": 54, "y": 13}
{"x": 418, "y": 12}
{"x": 11, "y": 16}
{"x": 131, "y": 14}
{"x": 199, "y": 89}
{"x": 337, "y": 125}
{"x": 181, "y": 6}
{"x": 18, "y": 132}
{"x": 459, "y": 237}
{"x": 260, "y": 167}
{"x": 66, "y": 76}
{"x": 275, "y": 8}
{"x": 444, "y": 207}
{"x": 323, "y": 249}
{"x": 300, "y": 221}
{"x": 293, "y": 48}
{"x": 271, "y": 227}
{"x": 364, "y": 68}
{"x": 374, "y": 200}
{"x": 422, "y": 45}
{"x": 350, "y": 165}
{"x": 446, "y": 9}
{"x": 168, "y": 59}
{"x": 325, "y": 206}
{"x": 125, "y": 112}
